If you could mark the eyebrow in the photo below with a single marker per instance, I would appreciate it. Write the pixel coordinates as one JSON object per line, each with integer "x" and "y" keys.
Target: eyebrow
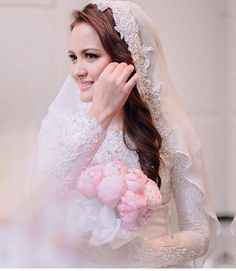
{"x": 84, "y": 51}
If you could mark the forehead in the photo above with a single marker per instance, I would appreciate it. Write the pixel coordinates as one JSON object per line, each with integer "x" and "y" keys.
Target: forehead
{"x": 82, "y": 36}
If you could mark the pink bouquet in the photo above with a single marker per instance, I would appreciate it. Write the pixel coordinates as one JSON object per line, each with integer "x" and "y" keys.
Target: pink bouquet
{"x": 129, "y": 192}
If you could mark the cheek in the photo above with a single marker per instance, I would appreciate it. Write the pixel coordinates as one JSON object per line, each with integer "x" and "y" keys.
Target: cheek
{"x": 99, "y": 67}
{"x": 71, "y": 69}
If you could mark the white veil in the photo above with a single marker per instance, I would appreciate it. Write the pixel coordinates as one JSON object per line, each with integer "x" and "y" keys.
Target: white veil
{"x": 155, "y": 85}
{"x": 179, "y": 137}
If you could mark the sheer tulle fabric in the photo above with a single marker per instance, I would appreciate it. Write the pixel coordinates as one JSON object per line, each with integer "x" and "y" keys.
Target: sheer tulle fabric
{"x": 69, "y": 141}
{"x": 181, "y": 144}
{"x": 180, "y": 139}
{"x": 189, "y": 197}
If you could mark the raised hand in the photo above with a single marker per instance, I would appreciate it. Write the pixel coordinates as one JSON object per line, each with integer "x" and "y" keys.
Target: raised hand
{"x": 111, "y": 91}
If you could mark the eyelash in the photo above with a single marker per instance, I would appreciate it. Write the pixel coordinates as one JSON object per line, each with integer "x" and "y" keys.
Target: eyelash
{"x": 91, "y": 56}
{"x": 72, "y": 57}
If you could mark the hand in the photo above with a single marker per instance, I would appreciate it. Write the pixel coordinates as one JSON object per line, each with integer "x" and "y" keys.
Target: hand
{"x": 111, "y": 91}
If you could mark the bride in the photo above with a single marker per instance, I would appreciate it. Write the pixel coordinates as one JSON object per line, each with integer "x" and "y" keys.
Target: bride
{"x": 118, "y": 103}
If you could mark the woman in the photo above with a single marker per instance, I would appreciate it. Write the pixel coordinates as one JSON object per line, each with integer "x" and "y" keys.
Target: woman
{"x": 119, "y": 104}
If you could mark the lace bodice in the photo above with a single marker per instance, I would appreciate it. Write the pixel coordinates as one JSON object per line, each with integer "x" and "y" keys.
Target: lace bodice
{"x": 157, "y": 246}
{"x": 113, "y": 148}
{"x": 165, "y": 249}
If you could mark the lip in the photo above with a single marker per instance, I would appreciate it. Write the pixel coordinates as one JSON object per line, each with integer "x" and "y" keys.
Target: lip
{"x": 85, "y": 85}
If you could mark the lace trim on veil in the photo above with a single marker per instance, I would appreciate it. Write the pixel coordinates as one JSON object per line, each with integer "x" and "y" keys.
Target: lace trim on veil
{"x": 128, "y": 28}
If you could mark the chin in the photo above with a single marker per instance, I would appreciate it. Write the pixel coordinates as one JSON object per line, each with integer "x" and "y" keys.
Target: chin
{"x": 86, "y": 97}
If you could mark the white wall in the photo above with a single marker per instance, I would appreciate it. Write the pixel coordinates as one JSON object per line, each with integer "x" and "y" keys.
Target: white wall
{"x": 33, "y": 43}
{"x": 31, "y": 69}
{"x": 230, "y": 127}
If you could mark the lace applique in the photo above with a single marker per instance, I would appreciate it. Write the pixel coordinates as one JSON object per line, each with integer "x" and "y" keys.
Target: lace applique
{"x": 128, "y": 29}
{"x": 151, "y": 252}
{"x": 101, "y": 4}
{"x": 190, "y": 198}
{"x": 163, "y": 251}
{"x": 171, "y": 251}
{"x": 113, "y": 148}
{"x": 191, "y": 242}
{"x": 69, "y": 151}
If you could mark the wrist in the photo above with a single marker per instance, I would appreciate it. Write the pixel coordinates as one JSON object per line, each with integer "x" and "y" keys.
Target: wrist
{"x": 104, "y": 118}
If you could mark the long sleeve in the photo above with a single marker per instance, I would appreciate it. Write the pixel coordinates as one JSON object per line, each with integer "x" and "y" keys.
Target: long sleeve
{"x": 190, "y": 242}
{"x": 67, "y": 148}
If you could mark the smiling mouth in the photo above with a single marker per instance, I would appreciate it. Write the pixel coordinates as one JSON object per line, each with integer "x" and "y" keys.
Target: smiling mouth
{"x": 84, "y": 86}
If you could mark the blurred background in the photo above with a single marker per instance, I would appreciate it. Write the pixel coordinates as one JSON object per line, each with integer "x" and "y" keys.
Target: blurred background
{"x": 198, "y": 37}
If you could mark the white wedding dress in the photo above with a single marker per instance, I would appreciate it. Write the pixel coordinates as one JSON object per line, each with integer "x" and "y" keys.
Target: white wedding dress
{"x": 75, "y": 141}
{"x": 182, "y": 232}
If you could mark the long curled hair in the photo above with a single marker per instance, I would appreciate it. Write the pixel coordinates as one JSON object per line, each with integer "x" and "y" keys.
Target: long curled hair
{"x": 137, "y": 120}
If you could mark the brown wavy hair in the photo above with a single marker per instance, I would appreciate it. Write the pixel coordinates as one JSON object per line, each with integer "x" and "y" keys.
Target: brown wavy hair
{"x": 137, "y": 120}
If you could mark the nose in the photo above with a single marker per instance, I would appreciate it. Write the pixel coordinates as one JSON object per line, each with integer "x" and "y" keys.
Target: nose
{"x": 79, "y": 71}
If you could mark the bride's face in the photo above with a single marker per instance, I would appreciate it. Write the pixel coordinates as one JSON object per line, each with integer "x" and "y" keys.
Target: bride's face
{"x": 88, "y": 59}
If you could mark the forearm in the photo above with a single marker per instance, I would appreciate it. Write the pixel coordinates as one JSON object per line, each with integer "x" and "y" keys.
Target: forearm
{"x": 68, "y": 148}
{"x": 172, "y": 250}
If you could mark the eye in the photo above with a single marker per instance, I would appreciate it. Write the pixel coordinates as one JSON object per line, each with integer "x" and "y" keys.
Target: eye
{"x": 72, "y": 57}
{"x": 90, "y": 56}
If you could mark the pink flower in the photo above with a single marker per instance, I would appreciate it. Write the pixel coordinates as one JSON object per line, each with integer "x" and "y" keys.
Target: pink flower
{"x": 114, "y": 167}
{"x": 118, "y": 164}
{"x": 152, "y": 194}
{"x": 135, "y": 180}
{"x": 131, "y": 208}
{"x": 128, "y": 190}
{"x": 111, "y": 189}
{"x": 89, "y": 180}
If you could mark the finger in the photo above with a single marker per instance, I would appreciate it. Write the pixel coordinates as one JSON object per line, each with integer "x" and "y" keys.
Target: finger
{"x": 131, "y": 83}
{"x": 110, "y": 68}
{"x": 119, "y": 70}
{"x": 126, "y": 73}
